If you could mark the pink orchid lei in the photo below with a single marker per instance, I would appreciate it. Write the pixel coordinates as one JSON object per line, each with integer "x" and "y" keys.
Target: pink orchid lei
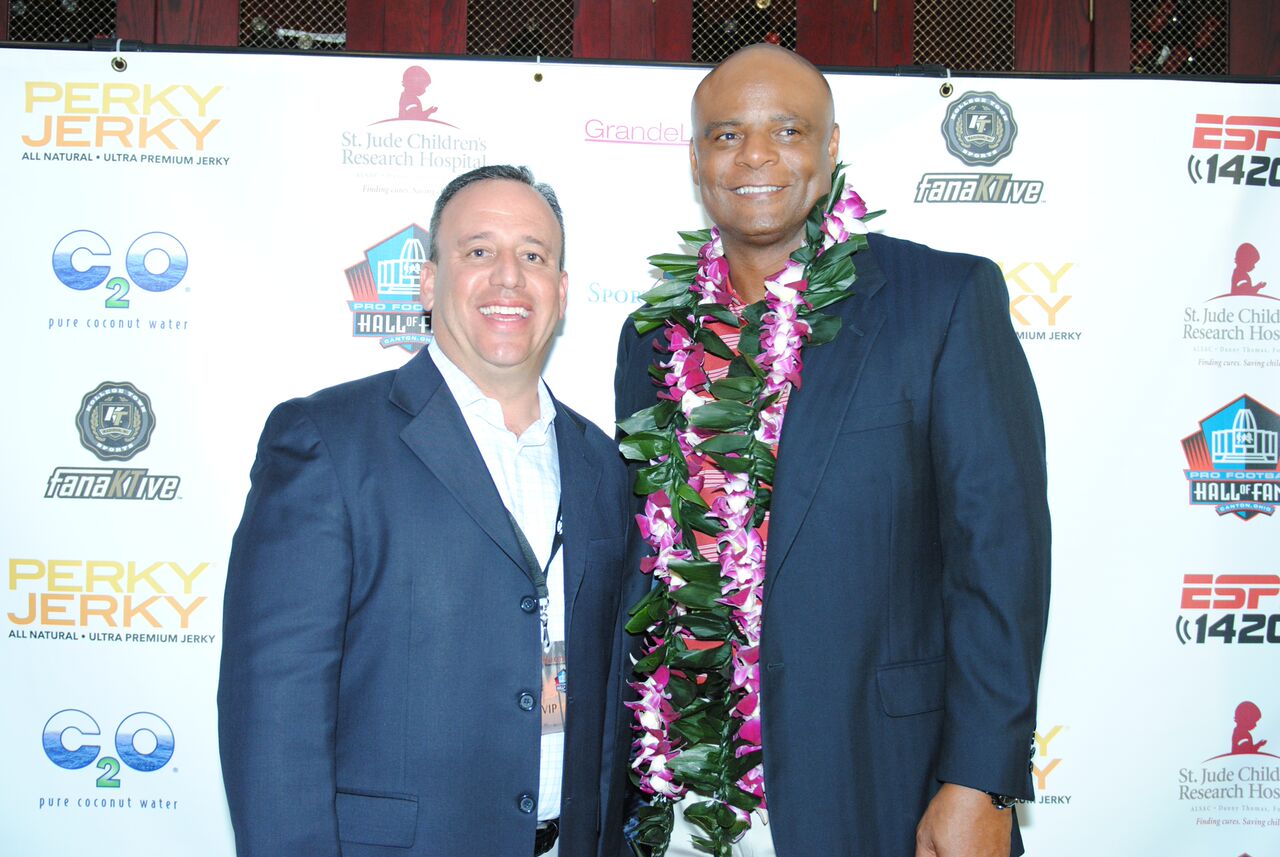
{"x": 697, "y": 712}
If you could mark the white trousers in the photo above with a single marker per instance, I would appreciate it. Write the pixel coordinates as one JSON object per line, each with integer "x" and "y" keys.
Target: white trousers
{"x": 757, "y": 842}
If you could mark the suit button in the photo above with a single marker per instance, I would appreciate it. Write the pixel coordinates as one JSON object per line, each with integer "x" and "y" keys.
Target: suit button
{"x": 528, "y": 604}
{"x": 525, "y": 701}
{"x": 527, "y": 803}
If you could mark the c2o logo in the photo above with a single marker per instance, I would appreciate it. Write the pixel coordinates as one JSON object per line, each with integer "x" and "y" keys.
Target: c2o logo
{"x": 155, "y": 261}
{"x": 143, "y": 741}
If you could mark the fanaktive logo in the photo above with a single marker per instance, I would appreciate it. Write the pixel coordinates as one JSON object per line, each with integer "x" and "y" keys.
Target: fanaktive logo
{"x": 143, "y": 743}
{"x": 1224, "y": 135}
{"x": 1229, "y": 609}
{"x": 1234, "y": 460}
{"x": 979, "y": 130}
{"x": 1042, "y": 766}
{"x": 398, "y": 146}
{"x": 115, "y": 422}
{"x": 386, "y": 286}
{"x": 1037, "y": 298}
{"x": 118, "y": 121}
{"x": 104, "y": 601}
{"x": 1246, "y": 774}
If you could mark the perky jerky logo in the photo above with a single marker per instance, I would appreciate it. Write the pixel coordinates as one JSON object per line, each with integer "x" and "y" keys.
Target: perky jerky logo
{"x": 386, "y": 286}
{"x": 1229, "y": 609}
{"x": 115, "y": 422}
{"x": 1037, "y": 298}
{"x": 1223, "y": 135}
{"x": 122, "y": 121}
{"x": 979, "y": 129}
{"x": 1233, "y": 460}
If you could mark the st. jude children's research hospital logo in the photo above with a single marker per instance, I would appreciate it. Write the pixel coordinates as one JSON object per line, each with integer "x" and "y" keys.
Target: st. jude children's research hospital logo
{"x": 979, "y": 130}
{"x": 386, "y": 287}
{"x": 1233, "y": 460}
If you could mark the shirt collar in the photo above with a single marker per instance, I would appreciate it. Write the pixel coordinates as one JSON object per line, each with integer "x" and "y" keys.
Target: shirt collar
{"x": 473, "y": 402}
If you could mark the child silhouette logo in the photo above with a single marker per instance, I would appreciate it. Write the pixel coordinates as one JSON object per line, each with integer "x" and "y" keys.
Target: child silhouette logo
{"x": 414, "y": 83}
{"x": 1248, "y": 716}
{"x": 1242, "y": 285}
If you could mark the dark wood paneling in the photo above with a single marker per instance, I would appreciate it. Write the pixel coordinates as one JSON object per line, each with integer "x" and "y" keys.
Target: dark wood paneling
{"x": 136, "y": 20}
{"x": 447, "y": 30}
{"x": 591, "y": 29}
{"x": 813, "y": 31}
{"x": 4, "y": 22}
{"x": 631, "y": 30}
{"x": 1051, "y": 35}
{"x": 1112, "y": 20}
{"x": 853, "y": 34}
{"x": 1255, "y": 37}
{"x": 366, "y": 24}
{"x": 673, "y": 30}
{"x": 894, "y": 20}
{"x": 407, "y": 25}
{"x": 197, "y": 22}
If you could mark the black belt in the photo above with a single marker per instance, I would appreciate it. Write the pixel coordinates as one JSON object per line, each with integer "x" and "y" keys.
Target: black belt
{"x": 545, "y": 836}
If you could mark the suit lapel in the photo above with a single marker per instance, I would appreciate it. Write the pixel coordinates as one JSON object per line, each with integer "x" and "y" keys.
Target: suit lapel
{"x": 439, "y": 436}
{"x": 816, "y": 410}
{"x": 579, "y": 477}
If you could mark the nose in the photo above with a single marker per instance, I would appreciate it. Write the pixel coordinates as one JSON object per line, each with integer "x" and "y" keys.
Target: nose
{"x": 506, "y": 270}
{"x": 757, "y": 150}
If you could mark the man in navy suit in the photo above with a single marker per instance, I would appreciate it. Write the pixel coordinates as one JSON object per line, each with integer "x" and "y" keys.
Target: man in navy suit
{"x": 907, "y": 555}
{"x": 422, "y": 637}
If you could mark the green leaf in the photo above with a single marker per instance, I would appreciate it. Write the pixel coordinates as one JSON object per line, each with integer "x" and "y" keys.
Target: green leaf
{"x": 665, "y": 290}
{"x": 697, "y": 728}
{"x": 711, "y": 341}
{"x": 722, "y": 416}
{"x": 685, "y": 492}
{"x": 741, "y": 765}
{"x": 682, "y": 691}
{"x": 674, "y": 259}
{"x": 731, "y": 464}
{"x": 726, "y": 443}
{"x": 651, "y": 418}
{"x": 872, "y": 215}
{"x": 719, "y": 312}
{"x": 698, "y": 759}
{"x": 698, "y": 595}
{"x": 823, "y": 329}
{"x": 825, "y": 298}
{"x": 655, "y": 478}
{"x": 700, "y": 660}
{"x": 645, "y": 445}
{"x": 697, "y": 570}
{"x": 698, "y": 237}
{"x": 651, "y": 661}
{"x": 649, "y": 609}
{"x": 703, "y": 524}
{"x": 739, "y": 388}
{"x": 706, "y": 626}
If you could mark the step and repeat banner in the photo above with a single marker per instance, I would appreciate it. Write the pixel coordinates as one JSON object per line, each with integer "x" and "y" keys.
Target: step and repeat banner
{"x": 192, "y": 238}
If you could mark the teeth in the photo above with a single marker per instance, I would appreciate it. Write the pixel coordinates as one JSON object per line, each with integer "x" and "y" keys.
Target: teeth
{"x": 508, "y": 311}
{"x": 763, "y": 188}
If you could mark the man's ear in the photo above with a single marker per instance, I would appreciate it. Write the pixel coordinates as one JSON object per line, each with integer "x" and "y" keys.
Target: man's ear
{"x": 693, "y": 163}
{"x": 427, "y": 286}
{"x": 833, "y": 145}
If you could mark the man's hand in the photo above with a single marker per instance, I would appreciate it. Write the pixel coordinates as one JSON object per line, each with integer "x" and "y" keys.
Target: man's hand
{"x": 961, "y": 822}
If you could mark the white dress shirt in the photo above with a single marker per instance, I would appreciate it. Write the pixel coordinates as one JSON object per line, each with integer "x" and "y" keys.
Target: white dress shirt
{"x": 526, "y": 471}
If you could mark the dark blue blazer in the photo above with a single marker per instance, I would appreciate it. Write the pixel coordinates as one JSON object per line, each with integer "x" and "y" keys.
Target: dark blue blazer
{"x": 377, "y": 635}
{"x": 908, "y": 557}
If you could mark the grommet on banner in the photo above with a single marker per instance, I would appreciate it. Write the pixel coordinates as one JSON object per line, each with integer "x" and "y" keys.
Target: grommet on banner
{"x": 118, "y": 63}
{"x": 946, "y": 89}
{"x": 537, "y": 75}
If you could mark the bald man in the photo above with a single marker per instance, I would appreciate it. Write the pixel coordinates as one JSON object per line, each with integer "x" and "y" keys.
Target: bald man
{"x": 907, "y": 544}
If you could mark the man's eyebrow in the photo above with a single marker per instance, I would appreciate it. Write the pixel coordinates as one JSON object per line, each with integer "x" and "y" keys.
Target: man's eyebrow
{"x": 488, "y": 236}
{"x": 731, "y": 124}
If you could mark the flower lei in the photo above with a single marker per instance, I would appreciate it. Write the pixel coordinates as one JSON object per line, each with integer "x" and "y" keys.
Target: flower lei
{"x": 698, "y": 711}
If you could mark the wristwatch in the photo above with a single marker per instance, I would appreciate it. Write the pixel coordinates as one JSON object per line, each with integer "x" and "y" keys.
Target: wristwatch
{"x": 1003, "y": 801}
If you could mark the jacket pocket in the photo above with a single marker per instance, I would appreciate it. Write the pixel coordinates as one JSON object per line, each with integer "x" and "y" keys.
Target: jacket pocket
{"x": 912, "y": 688}
{"x": 367, "y": 819}
{"x": 877, "y": 416}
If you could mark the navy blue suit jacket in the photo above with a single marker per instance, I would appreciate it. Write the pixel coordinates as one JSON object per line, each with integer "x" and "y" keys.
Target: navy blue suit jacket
{"x": 907, "y": 569}
{"x": 377, "y": 635}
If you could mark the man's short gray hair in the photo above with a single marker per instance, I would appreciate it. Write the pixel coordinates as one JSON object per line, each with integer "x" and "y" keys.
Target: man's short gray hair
{"x": 493, "y": 172}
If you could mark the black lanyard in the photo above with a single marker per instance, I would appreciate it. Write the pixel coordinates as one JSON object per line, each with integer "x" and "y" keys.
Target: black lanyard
{"x": 539, "y": 573}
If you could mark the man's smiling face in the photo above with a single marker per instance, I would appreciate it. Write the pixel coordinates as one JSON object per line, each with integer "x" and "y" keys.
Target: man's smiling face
{"x": 764, "y": 146}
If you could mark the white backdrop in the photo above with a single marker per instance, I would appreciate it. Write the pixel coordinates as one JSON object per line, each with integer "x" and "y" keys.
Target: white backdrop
{"x": 196, "y": 229}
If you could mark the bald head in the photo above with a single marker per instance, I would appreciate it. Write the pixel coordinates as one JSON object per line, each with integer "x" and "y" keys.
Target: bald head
{"x": 763, "y": 62}
{"x": 763, "y": 147}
